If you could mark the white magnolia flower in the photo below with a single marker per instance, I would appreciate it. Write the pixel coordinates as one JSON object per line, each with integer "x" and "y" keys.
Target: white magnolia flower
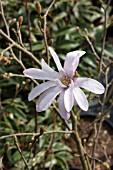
{"x": 64, "y": 82}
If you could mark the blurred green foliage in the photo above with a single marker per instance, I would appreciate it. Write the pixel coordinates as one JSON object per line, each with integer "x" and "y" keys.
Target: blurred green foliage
{"x": 16, "y": 113}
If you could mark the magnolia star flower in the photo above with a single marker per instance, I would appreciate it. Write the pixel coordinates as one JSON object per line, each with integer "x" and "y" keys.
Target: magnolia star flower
{"x": 64, "y": 83}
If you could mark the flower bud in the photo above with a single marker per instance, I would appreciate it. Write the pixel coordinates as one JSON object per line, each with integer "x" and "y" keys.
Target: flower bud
{"x": 11, "y": 75}
{"x": 20, "y": 20}
{"x": 6, "y": 146}
{"x": 5, "y": 60}
{"x": 76, "y": 74}
{"x": 78, "y": 29}
{"x": 64, "y": 136}
{"x": 106, "y": 165}
{"x": 38, "y": 7}
{"x": 98, "y": 115}
{"x": 107, "y": 116}
{"x": 86, "y": 31}
{"x": 50, "y": 42}
{"x": 14, "y": 30}
{"x": 13, "y": 21}
{"x": 30, "y": 145}
{"x": 42, "y": 129}
{"x": 39, "y": 24}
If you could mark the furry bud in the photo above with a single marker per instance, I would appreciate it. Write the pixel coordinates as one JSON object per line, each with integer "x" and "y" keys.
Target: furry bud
{"x": 20, "y": 20}
{"x": 38, "y": 7}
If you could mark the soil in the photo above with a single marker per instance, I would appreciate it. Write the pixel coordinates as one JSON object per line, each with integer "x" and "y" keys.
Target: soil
{"x": 104, "y": 152}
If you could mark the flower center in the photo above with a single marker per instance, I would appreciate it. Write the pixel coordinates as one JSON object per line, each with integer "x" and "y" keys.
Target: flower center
{"x": 66, "y": 81}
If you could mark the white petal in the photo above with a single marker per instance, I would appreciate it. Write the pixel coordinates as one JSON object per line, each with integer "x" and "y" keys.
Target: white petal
{"x": 75, "y": 103}
{"x": 69, "y": 98}
{"x": 46, "y": 67}
{"x": 64, "y": 114}
{"x": 39, "y": 89}
{"x": 80, "y": 98}
{"x": 41, "y": 98}
{"x": 56, "y": 59}
{"x": 72, "y": 61}
{"x": 90, "y": 84}
{"x": 39, "y": 74}
{"x": 46, "y": 101}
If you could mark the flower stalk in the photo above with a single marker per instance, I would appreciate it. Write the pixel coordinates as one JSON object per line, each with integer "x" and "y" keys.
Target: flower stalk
{"x": 79, "y": 143}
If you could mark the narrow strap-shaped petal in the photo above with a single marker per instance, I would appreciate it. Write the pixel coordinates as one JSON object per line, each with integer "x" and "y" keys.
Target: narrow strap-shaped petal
{"x": 39, "y": 74}
{"x": 64, "y": 114}
{"x": 72, "y": 61}
{"x": 90, "y": 84}
{"x": 56, "y": 59}
{"x": 46, "y": 67}
{"x": 39, "y": 89}
{"x": 80, "y": 98}
{"x": 46, "y": 101}
{"x": 41, "y": 98}
{"x": 69, "y": 98}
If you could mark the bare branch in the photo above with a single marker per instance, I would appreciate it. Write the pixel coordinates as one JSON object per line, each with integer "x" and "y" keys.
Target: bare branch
{"x": 20, "y": 47}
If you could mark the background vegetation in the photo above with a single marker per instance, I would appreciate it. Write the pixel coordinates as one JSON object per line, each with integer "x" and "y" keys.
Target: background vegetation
{"x": 71, "y": 25}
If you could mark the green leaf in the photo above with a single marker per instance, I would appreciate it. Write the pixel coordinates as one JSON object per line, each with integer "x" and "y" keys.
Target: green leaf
{"x": 65, "y": 30}
{"x": 107, "y": 51}
{"x": 62, "y": 162}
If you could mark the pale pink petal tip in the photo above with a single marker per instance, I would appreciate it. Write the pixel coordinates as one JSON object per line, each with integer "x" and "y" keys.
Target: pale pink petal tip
{"x": 56, "y": 59}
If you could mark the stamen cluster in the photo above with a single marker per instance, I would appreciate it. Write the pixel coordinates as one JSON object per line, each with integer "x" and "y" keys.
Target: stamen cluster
{"x": 66, "y": 81}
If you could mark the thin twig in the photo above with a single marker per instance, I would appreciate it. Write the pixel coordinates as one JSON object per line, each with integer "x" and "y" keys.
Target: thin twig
{"x": 19, "y": 36}
{"x": 45, "y": 29}
{"x": 96, "y": 159}
{"x": 36, "y": 128}
{"x": 20, "y": 47}
{"x": 5, "y": 23}
{"x": 4, "y": 19}
{"x": 85, "y": 35}
{"x": 28, "y": 23}
{"x": 79, "y": 143}
{"x": 35, "y": 134}
{"x": 92, "y": 47}
{"x": 23, "y": 158}
{"x": 52, "y": 141}
{"x": 8, "y": 48}
{"x": 106, "y": 90}
{"x": 104, "y": 36}
{"x": 103, "y": 118}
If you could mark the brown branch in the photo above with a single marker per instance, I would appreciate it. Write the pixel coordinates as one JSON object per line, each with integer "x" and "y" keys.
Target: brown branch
{"x": 104, "y": 35}
{"x": 18, "y": 147}
{"x": 8, "y": 48}
{"x": 79, "y": 143}
{"x": 28, "y": 23}
{"x": 36, "y": 128}
{"x": 45, "y": 29}
{"x": 20, "y": 47}
{"x": 92, "y": 47}
{"x": 4, "y": 19}
{"x": 102, "y": 119}
{"x": 35, "y": 134}
{"x": 5, "y": 23}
